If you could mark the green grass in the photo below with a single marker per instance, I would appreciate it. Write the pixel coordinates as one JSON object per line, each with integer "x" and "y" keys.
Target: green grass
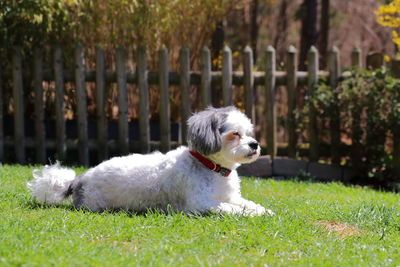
{"x": 315, "y": 224}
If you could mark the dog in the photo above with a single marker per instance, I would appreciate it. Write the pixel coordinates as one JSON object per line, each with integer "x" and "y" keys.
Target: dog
{"x": 200, "y": 178}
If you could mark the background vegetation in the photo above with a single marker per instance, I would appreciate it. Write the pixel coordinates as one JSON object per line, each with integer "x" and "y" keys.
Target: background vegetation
{"x": 194, "y": 24}
{"x": 388, "y": 16}
{"x": 369, "y": 107}
{"x": 214, "y": 23}
{"x": 111, "y": 23}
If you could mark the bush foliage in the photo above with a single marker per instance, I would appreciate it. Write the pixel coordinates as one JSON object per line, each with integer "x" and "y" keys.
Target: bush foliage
{"x": 111, "y": 23}
{"x": 369, "y": 104}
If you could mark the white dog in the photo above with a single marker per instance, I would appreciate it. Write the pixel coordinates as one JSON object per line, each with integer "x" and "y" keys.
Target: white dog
{"x": 198, "y": 179}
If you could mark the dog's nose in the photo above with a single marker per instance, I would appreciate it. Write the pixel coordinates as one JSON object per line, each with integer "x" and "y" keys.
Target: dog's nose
{"x": 253, "y": 145}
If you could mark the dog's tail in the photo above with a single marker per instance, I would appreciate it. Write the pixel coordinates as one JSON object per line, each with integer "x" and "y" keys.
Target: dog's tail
{"x": 51, "y": 184}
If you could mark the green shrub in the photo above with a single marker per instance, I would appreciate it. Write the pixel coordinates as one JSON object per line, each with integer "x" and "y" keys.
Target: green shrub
{"x": 110, "y": 24}
{"x": 369, "y": 105}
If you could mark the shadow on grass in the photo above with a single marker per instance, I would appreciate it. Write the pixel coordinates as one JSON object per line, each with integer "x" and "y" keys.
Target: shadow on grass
{"x": 391, "y": 185}
{"x": 36, "y": 205}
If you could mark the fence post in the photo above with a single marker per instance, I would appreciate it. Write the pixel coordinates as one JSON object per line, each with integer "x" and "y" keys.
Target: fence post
{"x": 165, "y": 117}
{"x": 123, "y": 135}
{"x": 356, "y": 57}
{"x": 227, "y": 76}
{"x": 205, "y": 78}
{"x": 396, "y": 146}
{"x": 60, "y": 104}
{"x": 83, "y": 144}
{"x": 144, "y": 126}
{"x": 375, "y": 60}
{"x": 185, "y": 86}
{"x": 40, "y": 134}
{"x": 334, "y": 73}
{"x": 356, "y": 146}
{"x": 395, "y": 72}
{"x": 1, "y": 116}
{"x": 18, "y": 94}
{"x": 249, "y": 82}
{"x": 100, "y": 104}
{"x": 270, "y": 80}
{"x": 291, "y": 70}
{"x": 312, "y": 116}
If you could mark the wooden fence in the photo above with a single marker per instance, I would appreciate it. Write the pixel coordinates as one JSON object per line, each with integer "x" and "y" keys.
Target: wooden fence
{"x": 142, "y": 78}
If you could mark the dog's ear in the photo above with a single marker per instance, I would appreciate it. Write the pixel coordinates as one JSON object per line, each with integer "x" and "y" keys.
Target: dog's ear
{"x": 204, "y": 131}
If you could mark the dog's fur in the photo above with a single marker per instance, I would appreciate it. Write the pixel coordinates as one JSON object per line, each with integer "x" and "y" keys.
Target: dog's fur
{"x": 161, "y": 181}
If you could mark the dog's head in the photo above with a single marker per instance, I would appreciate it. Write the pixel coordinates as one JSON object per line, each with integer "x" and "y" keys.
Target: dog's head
{"x": 226, "y": 132}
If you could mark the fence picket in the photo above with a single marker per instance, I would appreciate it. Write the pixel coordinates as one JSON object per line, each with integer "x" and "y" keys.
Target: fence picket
{"x": 165, "y": 116}
{"x": 334, "y": 73}
{"x": 81, "y": 106}
{"x": 396, "y": 131}
{"x": 1, "y": 115}
{"x": 205, "y": 78}
{"x": 227, "y": 76}
{"x": 312, "y": 125}
{"x": 144, "y": 126}
{"x": 356, "y": 57}
{"x": 18, "y": 94}
{"x": 61, "y": 145}
{"x": 185, "y": 86}
{"x": 396, "y": 146}
{"x": 356, "y": 123}
{"x": 375, "y": 60}
{"x": 270, "y": 101}
{"x": 185, "y": 78}
{"x": 40, "y": 134}
{"x": 248, "y": 82}
{"x": 123, "y": 137}
{"x": 100, "y": 104}
{"x": 291, "y": 68}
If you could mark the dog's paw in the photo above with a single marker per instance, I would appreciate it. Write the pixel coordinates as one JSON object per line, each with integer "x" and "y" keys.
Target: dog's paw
{"x": 259, "y": 210}
{"x": 269, "y": 212}
{"x": 229, "y": 208}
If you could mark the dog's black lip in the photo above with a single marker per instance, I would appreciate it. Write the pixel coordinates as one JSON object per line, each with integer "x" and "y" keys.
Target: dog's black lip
{"x": 251, "y": 154}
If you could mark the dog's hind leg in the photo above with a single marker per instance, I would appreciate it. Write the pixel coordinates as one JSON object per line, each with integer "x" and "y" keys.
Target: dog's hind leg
{"x": 77, "y": 193}
{"x": 84, "y": 196}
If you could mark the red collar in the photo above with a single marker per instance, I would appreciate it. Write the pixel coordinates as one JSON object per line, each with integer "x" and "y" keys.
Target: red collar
{"x": 210, "y": 164}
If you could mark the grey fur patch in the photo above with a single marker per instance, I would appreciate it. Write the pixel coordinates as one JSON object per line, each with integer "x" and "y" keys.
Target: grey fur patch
{"x": 78, "y": 193}
{"x": 204, "y": 129}
{"x": 69, "y": 191}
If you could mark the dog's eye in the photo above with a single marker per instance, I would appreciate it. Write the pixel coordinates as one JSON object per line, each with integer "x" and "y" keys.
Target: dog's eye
{"x": 236, "y": 133}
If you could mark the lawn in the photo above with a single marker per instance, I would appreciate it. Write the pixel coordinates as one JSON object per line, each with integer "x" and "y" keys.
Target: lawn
{"x": 315, "y": 224}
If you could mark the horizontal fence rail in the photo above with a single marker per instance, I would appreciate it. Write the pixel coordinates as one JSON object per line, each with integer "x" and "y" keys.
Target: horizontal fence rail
{"x": 205, "y": 79}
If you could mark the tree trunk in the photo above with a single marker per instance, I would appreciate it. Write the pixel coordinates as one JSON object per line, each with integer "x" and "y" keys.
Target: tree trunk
{"x": 308, "y": 29}
{"x": 324, "y": 33}
{"x": 217, "y": 42}
{"x": 254, "y": 28}
{"x": 280, "y": 41}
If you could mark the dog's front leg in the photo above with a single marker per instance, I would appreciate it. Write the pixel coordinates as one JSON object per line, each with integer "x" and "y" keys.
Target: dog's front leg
{"x": 228, "y": 208}
{"x": 222, "y": 207}
{"x": 252, "y": 208}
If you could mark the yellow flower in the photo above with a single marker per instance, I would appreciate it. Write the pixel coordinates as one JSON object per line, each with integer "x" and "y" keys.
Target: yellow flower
{"x": 389, "y": 16}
